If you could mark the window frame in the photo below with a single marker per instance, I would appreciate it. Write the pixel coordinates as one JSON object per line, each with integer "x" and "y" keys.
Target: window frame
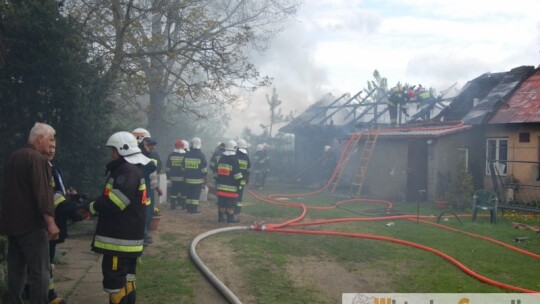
{"x": 497, "y": 155}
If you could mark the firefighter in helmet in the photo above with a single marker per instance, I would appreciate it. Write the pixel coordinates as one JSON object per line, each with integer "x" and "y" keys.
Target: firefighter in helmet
{"x": 328, "y": 164}
{"x": 261, "y": 165}
{"x": 195, "y": 169}
{"x": 121, "y": 214}
{"x": 174, "y": 174}
{"x": 229, "y": 178}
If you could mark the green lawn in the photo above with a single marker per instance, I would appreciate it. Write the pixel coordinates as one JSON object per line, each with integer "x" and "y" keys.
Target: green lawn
{"x": 264, "y": 256}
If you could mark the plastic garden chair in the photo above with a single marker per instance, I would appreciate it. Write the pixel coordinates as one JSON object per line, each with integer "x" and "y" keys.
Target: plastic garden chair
{"x": 486, "y": 200}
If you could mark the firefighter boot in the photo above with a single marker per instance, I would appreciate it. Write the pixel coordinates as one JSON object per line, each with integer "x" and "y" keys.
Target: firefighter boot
{"x": 231, "y": 218}
{"x": 52, "y": 296}
{"x": 194, "y": 209}
{"x": 183, "y": 202}
{"x": 118, "y": 297}
{"x": 131, "y": 292}
{"x": 58, "y": 300}
{"x": 237, "y": 210}
{"x": 221, "y": 215}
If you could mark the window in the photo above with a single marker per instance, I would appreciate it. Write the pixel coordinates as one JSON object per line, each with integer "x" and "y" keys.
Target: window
{"x": 524, "y": 137}
{"x": 497, "y": 151}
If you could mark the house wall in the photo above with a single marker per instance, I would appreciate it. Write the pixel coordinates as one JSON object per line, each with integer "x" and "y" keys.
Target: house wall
{"x": 388, "y": 167}
{"x": 444, "y": 155}
{"x": 526, "y": 173}
{"x": 387, "y": 172}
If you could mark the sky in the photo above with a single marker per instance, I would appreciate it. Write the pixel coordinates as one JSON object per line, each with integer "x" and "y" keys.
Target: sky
{"x": 334, "y": 46}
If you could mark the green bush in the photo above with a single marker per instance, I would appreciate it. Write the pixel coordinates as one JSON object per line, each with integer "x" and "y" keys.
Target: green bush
{"x": 461, "y": 188}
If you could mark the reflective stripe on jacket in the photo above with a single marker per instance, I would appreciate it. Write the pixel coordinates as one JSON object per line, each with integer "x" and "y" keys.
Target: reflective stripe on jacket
{"x": 121, "y": 211}
{"x": 194, "y": 167}
{"x": 229, "y": 176}
{"x": 58, "y": 199}
{"x": 245, "y": 166}
{"x": 119, "y": 245}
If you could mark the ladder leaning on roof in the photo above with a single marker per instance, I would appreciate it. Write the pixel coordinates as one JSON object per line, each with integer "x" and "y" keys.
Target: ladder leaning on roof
{"x": 350, "y": 150}
{"x": 363, "y": 164}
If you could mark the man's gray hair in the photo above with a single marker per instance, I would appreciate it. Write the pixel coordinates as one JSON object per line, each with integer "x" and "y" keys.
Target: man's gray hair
{"x": 40, "y": 129}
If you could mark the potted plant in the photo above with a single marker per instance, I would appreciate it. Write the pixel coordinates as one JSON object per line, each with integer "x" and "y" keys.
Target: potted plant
{"x": 154, "y": 222}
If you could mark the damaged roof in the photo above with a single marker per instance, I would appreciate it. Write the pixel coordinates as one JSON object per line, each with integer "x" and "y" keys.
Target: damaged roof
{"x": 489, "y": 105}
{"x": 463, "y": 102}
{"x": 523, "y": 106}
{"x": 494, "y": 98}
{"x": 316, "y": 115}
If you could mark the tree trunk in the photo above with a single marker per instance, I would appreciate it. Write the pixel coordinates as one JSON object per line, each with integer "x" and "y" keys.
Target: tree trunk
{"x": 156, "y": 86}
{"x": 156, "y": 116}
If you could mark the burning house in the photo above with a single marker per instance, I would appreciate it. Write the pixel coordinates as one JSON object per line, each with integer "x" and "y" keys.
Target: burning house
{"x": 493, "y": 118}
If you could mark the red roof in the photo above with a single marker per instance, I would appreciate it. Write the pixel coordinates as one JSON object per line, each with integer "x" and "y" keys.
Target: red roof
{"x": 523, "y": 106}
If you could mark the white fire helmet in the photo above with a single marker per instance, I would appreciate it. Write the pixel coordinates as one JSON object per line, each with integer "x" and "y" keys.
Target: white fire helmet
{"x": 140, "y": 133}
{"x": 327, "y": 148}
{"x": 186, "y": 144}
{"x": 242, "y": 144}
{"x": 126, "y": 145}
{"x": 231, "y": 145}
{"x": 196, "y": 143}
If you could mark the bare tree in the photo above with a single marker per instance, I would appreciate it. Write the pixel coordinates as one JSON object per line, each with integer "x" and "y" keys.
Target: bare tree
{"x": 183, "y": 54}
{"x": 275, "y": 113}
{"x": 380, "y": 84}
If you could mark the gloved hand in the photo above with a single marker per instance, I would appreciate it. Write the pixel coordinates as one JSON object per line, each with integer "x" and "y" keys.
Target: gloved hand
{"x": 89, "y": 208}
{"x": 80, "y": 214}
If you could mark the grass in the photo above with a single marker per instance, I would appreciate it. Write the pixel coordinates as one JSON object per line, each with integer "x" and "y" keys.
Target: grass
{"x": 170, "y": 276}
{"x": 265, "y": 257}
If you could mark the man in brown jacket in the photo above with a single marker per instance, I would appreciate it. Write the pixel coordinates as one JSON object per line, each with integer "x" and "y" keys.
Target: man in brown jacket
{"x": 27, "y": 216}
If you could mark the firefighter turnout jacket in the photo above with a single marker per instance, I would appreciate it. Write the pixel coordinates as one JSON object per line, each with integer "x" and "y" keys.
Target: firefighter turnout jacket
{"x": 214, "y": 159}
{"x": 261, "y": 161}
{"x": 229, "y": 176}
{"x": 121, "y": 211}
{"x": 194, "y": 167}
{"x": 245, "y": 165}
{"x": 173, "y": 167}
